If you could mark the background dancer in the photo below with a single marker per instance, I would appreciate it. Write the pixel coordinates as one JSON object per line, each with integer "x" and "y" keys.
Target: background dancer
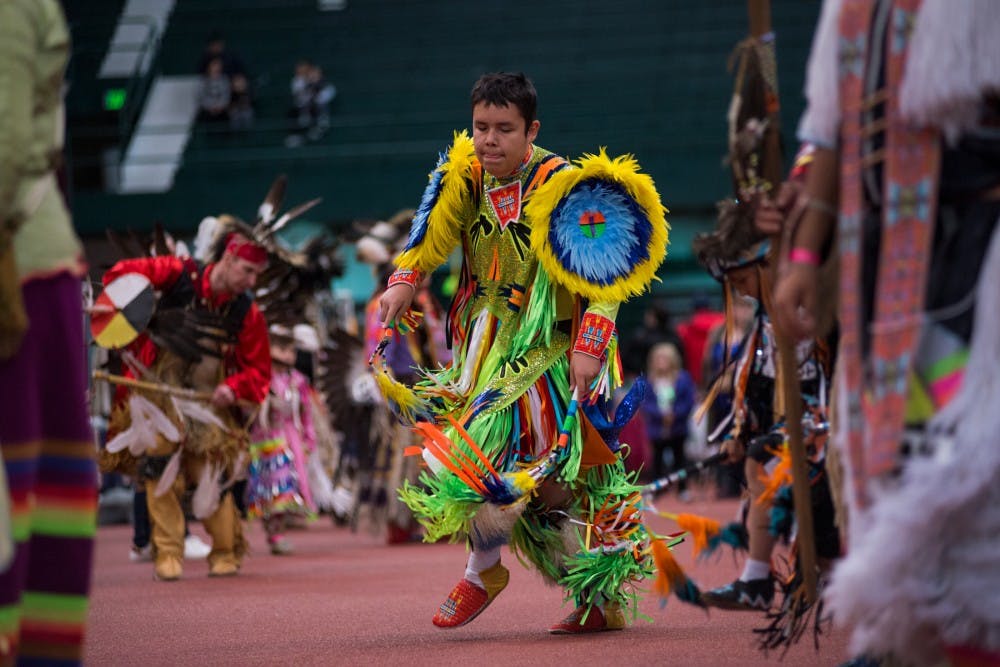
{"x": 281, "y": 442}
{"x": 209, "y": 447}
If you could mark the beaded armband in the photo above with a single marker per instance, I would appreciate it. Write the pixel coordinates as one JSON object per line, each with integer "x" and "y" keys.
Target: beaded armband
{"x": 411, "y": 277}
{"x": 595, "y": 335}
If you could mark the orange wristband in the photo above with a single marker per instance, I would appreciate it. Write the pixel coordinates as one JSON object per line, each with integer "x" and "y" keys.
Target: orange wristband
{"x": 411, "y": 277}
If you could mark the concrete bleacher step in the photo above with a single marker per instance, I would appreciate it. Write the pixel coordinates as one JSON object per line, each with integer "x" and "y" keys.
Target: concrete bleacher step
{"x": 136, "y": 38}
{"x": 154, "y": 154}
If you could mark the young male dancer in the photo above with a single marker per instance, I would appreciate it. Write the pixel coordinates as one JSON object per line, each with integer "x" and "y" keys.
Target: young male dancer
{"x": 549, "y": 251}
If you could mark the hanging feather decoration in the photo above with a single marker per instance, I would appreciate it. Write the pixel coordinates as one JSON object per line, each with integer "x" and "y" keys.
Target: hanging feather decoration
{"x": 734, "y": 534}
{"x": 148, "y": 422}
{"x": 198, "y": 412}
{"x": 670, "y": 577}
{"x": 779, "y": 477}
{"x": 700, "y": 529}
{"x": 205, "y": 500}
{"x": 169, "y": 475}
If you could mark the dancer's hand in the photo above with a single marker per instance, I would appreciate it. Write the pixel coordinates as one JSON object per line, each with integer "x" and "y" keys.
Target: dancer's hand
{"x": 795, "y": 300}
{"x": 583, "y": 369}
{"x": 395, "y": 301}
{"x": 770, "y": 214}
{"x": 223, "y": 396}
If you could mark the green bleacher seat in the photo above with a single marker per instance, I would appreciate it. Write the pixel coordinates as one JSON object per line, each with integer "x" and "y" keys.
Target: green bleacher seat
{"x": 636, "y": 76}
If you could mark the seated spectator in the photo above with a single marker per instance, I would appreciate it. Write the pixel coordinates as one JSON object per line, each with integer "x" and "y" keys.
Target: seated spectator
{"x": 323, "y": 93}
{"x": 241, "y": 112}
{"x": 215, "y": 47}
{"x": 215, "y": 93}
{"x": 311, "y": 98}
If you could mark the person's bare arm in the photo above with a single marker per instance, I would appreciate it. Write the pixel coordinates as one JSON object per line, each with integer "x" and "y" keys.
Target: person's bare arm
{"x": 813, "y": 220}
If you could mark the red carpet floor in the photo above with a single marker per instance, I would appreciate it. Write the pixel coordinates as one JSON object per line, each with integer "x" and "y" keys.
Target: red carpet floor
{"x": 348, "y": 599}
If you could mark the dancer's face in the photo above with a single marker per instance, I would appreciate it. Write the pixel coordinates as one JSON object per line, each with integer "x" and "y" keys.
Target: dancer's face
{"x": 238, "y": 275}
{"x": 500, "y": 137}
{"x": 283, "y": 352}
{"x": 745, "y": 281}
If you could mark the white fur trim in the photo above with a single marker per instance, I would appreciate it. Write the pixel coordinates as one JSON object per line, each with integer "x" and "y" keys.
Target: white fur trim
{"x": 820, "y": 124}
{"x": 492, "y": 525}
{"x": 954, "y": 57}
{"x": 922, "y": 565}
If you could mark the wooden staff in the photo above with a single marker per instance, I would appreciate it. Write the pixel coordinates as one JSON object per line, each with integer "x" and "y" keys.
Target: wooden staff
{"x": 759, "y": 12}
{"x": 179, "y": 392}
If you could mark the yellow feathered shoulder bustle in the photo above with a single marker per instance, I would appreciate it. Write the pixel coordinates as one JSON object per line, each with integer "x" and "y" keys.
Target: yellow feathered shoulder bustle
{"x": 444, "y": 208}
{"x": 599, "y": 229}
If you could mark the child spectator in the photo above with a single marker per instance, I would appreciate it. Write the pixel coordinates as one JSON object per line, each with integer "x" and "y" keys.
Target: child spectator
{"x": 215, "y": 48}
{"x": 311, "y": 98}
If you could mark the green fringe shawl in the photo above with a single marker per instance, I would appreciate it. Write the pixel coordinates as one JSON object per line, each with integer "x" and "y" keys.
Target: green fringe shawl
{"x": 588, "y": 578}
{"x": 444, "y": 504}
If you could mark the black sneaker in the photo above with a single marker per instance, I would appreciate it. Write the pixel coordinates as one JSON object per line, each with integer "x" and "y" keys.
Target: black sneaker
{"x": 753, "y": 595}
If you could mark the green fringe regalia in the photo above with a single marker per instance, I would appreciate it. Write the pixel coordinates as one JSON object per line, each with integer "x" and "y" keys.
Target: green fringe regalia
{"x": 499, "y": 425}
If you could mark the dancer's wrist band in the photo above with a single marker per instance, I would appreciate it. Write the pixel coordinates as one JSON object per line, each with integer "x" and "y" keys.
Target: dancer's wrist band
{"x": 594, "y": 336}
{"x": 410, "y": 277}
{"x": 803, "y": 256}
{"x": 822, "y": 207}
